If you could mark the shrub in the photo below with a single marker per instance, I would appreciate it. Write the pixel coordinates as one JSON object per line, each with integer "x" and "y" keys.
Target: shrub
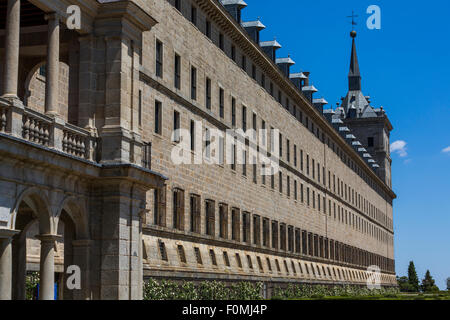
{"x": 205, "y": 290}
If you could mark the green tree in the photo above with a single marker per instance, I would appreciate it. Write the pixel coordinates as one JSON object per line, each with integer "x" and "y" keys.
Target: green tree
{"x": 428, "y": 284}
{"x": 412, "y": 277}
{"x": 403, "y": 284}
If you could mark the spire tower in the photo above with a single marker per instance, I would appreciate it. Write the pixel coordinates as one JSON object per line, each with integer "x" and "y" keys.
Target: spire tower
{"x": 354, "y": 77}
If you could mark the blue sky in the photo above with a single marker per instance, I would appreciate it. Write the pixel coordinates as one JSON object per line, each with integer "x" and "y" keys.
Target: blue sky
{"x": 405, "y": 68}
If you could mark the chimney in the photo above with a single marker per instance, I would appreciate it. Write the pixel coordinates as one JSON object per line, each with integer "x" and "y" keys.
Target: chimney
{"x": 270, "y": 48}
{"x": 298, "y": 79}
{"x": 308, "y": 90}
{"x": 253, "y": 28}
{"x": 306, "y": 82}
{"x": 328, "y": 114}
{"x": 319, "y": 103}
{"x": 234, "y": 8}
{"x": 285, "y": 64}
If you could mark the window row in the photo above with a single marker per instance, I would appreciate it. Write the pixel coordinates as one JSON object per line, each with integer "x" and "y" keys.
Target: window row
{"x": 252, "y": 229}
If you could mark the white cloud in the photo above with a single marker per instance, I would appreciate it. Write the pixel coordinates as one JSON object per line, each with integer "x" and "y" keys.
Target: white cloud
{"x": 399, "y": 147}
{"x": 446, "y": 150}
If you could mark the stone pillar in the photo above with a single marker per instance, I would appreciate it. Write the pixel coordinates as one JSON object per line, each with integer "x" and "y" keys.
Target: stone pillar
{"x": 52, "y": 84}
{"x": 81, "y": 252}
{"x": 47, "y": 266}
{"x": 11, "y": 70}
{"x": 6, "y": 263}
{"x": 19, "y": 246}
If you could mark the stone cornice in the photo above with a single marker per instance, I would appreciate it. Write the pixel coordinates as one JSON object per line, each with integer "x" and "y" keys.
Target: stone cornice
{"x": 127, "y": 10}
{"x": 225, "y": 21}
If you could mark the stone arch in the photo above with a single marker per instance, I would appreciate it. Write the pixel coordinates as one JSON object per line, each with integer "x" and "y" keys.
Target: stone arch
{"x": 34, "y": 88}
{"x": 78, "y": 214}
{"x": 38, "y": 202}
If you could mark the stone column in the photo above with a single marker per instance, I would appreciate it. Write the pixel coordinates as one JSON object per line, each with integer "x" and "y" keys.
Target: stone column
{"x": 11, "y": 71}
{"x": 51, "y": 86}
{"x": 19, "y": 246}
{"x": 81, "y": 252}
{"x": 47, "y": 266}
{"x": 6, "y": 263}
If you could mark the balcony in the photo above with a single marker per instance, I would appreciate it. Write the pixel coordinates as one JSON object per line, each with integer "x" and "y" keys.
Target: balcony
{"x": 50, "y": 132}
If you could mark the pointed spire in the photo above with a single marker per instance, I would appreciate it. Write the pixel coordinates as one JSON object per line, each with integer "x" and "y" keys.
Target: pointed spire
{"x": 354, "y": 77}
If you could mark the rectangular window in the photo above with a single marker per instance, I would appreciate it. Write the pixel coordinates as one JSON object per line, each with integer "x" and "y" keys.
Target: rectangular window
{"x": 288, "y": 150}
{"x": 140, "y": 108}
{"x": 233, "y": 53}
{"x": 254, "y": 72}
{"x": 226, "y": 259}
{"x": 301, "y": 160}
{"x": 246, "y": 227}
{"x": 263, "y": 80}
{"x": 176, "y": 127}
{"x": 221, "y": 42}
{"x": 263, "y": 140}
{"x": 208, "y": 29}
{"x": 212, "y": 254}
{"x": 244, "y": 163}
{"x": 177, "y": 73}
{"x": 238, "y": 260}
{"x": 178, "y": 5}
{"x": 194, "y": 15}
{"x": 244, "y": 63}
{"x": 370, "y": 142}
{"x": 223, "y": 218}
{"x": 280, "y": 181}
{"x": 307, "y": 164}
{"x": 210, "y": 217}
{"x": 181, "y": 254}
{"x": 244, "y": 118}
{"x": 283, "y": 236}
{"x": 280, "y": 96}
{"x": 288, "y": 186}
{"x": 147, "y": 155}
{"x": 198, "y": 255}
{"x": 158, "y": 117}
{"x": 192, "y": 133}
{"x": 178, "y": 209}
{"x": 208, "y": 94}
{"x": 256, "y": 230}
{"x": 302, "y": 193}
{"x": 271, "y": 89}
{"x": 159, "y": 59}
{"x": 221, "y": 103}
{"x": 193, "y": 83}
{"x": 162, "y": 250}
{"x": 295, "y": 190}
{"x": 233, "y": 112}
{"x": 281, "y": 145}
{"x": 235, "y": 224}
{"x": 295, "y": 156}
{"x": 274, "y": 235}
{"x": 266, "y": 232}
{"x": 195, "y": 213}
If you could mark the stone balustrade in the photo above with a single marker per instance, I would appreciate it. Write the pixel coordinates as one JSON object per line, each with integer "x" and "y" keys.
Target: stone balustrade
{"x": 48, "y": 131}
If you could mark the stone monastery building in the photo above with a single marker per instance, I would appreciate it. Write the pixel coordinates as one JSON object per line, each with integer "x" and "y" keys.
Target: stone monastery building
{"x": 87, "y": 178}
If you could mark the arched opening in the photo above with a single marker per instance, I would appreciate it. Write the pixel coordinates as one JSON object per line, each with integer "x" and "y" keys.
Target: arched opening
{"x": 31, "y": 218}
{"x": 34, "y": 89}
{"x": 42, "y": 251}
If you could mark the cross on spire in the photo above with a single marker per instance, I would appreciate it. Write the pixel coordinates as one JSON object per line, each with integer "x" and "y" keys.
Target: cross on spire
{"x": 353, "y": 16}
